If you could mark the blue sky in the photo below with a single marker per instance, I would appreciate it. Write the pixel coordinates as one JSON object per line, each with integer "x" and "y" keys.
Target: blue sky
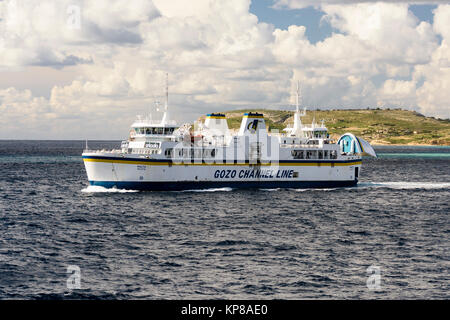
{"x": 316, "y": 30}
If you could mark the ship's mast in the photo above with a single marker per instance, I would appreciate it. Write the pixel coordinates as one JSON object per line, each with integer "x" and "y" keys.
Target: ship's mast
{"x": 166, "y": 106}
{"x": 167, "y": 91}
{"x": 297, "y": 129}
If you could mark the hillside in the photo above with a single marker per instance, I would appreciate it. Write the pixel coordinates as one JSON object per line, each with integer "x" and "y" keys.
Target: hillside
{"x": 378, "y": 126}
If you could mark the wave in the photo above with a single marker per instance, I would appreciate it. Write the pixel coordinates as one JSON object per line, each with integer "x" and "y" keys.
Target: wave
{"x": 39, "y": 159}
{"x": 405, "y": 185}
{"x": 99, "y": 189}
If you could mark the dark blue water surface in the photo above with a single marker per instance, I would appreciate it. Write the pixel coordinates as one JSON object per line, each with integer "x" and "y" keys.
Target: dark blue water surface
{"x": 246, "y": 244}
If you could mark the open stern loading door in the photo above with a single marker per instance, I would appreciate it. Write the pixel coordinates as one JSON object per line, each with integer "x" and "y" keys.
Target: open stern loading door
{"x": 349, "y": 144}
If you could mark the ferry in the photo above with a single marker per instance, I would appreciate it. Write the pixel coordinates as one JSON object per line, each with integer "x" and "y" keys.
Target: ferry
{"x": 164, "y": 156}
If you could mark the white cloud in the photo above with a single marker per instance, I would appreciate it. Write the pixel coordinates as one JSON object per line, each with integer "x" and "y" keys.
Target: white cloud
{"x": 433, "y": 97}
{"x": 18, "y": 105}
{"x": 46, "y": 32}
{"x": 400, "y": 93}
{"x": 395, "y": 37}
{"x": 338, "y": 71}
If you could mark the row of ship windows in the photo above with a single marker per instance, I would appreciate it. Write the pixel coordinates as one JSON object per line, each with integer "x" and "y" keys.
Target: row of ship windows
{"x": 314, "y": 154}
{"x": 317, "y": 134}
{"x": 144, "y": 151}
{"x": 154, "y": 130}
{"x": 310, "y": 142}
{"x": 205, "y": 153}
{"x": 190, "y": 153}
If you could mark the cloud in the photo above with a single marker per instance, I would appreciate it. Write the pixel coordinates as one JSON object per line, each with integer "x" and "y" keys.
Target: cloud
{"x": 400, "y": 93}
{"x": 397, "y": 38}
{"x": 45, "y": 32}
{"x": 433, "y": 97}
{"x": 16, "y": 105}
{"x": 338, "y": 71}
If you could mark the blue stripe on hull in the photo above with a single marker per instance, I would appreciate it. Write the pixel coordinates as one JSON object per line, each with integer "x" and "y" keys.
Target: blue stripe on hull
{"x": 194, "y": 185}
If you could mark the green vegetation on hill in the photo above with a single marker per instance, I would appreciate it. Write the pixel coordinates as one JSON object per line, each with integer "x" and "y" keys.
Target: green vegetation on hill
{"x": 378, "y": 126}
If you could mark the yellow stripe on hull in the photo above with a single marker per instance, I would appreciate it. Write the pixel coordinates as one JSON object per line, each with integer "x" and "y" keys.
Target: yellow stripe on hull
{"x": 224, "y": 164}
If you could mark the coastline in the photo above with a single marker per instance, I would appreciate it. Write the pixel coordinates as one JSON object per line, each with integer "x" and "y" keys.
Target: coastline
{"x": 407, "y": 145}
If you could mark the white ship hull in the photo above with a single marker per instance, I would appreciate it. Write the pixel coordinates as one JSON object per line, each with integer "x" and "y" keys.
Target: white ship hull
{"x": 142, "y": 173}
{"x": 160, "y": 155}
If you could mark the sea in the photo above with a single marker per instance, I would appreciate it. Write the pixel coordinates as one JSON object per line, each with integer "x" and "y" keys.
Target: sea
{"x": 387, "y": 238}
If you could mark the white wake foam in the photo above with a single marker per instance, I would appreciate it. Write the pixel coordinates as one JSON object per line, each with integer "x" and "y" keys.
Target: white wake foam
{"x": 361, "y": 185}
{"x": 209, "y": 190}
{"x": 399, "y": 185}
{"x": 405, "y": 185}
{"x": 318, "y": 189}
{"x": 99, "y": 189}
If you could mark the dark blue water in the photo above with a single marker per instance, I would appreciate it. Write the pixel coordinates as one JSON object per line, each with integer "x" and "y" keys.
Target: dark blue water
{"x": 251, "y": 244}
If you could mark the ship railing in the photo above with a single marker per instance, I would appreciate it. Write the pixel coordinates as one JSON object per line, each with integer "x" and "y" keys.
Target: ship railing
{"x": 278, "y": 134}
{"x": 102, "y": 151}
{"x": 150, "y": 122}
{"x": 296, "y": 145}
{"x": 325, "y": 147}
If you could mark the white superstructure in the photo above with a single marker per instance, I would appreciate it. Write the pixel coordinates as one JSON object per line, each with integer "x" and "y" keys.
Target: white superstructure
{"x": 160, "y": 155}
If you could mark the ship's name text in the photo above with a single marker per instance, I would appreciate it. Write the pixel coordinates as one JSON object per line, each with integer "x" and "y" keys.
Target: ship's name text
{"x": 257, "y": 174}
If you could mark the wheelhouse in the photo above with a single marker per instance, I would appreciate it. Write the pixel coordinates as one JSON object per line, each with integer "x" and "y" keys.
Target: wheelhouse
{"x": 316, "y": 133}
{"x": 153, "y": 130}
